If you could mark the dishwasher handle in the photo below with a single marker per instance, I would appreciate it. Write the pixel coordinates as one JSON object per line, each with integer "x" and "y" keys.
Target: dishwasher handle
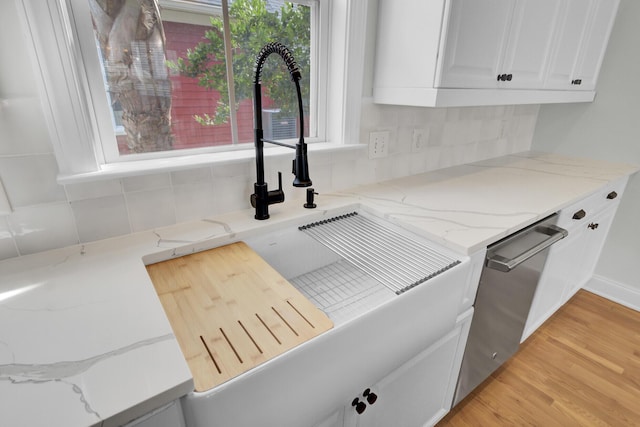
{"x": 503, "y": 264}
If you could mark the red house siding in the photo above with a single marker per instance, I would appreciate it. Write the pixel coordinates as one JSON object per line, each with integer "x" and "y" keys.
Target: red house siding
{"x": 189, "y": 99}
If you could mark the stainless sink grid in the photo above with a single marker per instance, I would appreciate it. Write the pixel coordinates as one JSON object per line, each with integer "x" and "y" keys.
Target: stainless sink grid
{"x": 395, "y": 260}
{"x": 342, "y": 291}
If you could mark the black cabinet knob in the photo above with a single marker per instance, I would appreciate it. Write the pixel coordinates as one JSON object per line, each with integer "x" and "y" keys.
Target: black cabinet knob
{"x": 579, "y": 215}
{"x": 612, "y": 195}
{"x": 593, "y": 225}
{"x": 360, "y": 406}
{"x": 371, "y": 397}
{"x": 576, "y": 81}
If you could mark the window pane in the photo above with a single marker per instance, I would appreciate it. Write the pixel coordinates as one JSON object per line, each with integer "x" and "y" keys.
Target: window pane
{"x": 289, "y": 24}
{"x": 130, "y": 40}
{"x": 166, "y": 78}
{"x": 193, "y": 95}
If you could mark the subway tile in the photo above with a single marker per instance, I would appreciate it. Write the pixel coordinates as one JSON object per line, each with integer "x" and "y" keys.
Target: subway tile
{"x": 93, "y": 190}
{"x": 490, "y": 129}
{"x": 8, "y": 248}
{"x": 43, "y": 227}
{"x": 19, "y": 132}
{"x": 455, "y": 133}
{"x": 192, "y": 176}
{"x": 101, "y": 218}
{"x": 194, "y": 201}
{"x": 342, "y": 176}
{"x": 146, "y": 182}
{"x": 150, "y": 209}
{"x": 243, "y": 168}
{"x": 432, "y": 158}
{"x": 31, "y": 180}
{"x": 232, "y": 194}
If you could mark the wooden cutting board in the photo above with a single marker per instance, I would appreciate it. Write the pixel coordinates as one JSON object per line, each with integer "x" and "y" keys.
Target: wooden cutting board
{"x": 231, "y": 311}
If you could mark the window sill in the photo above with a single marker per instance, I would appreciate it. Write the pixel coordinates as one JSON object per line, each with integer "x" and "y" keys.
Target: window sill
{"x": 145, "y": 167}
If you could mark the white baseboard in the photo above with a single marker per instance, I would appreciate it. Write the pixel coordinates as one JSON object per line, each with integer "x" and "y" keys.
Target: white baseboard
{"x": 614, "y": 291}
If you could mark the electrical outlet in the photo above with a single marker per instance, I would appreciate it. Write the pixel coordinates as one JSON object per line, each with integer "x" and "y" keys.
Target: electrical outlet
{"x": 419, "y": 140}
{"x": 378, "y": 144}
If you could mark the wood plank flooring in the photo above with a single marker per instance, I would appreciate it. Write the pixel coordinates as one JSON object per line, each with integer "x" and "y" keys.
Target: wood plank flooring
{"x": 581, "y": 368}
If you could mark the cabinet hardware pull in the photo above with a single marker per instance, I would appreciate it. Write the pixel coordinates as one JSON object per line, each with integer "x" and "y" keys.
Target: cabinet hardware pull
{"x": 371, "y": 397}
{"x": 580, "y": 214}
{"x": 593, "y": 225}
{"x": 576, "y": 81}
{"x": 360, "y": 406}
{"x": 612, "y": 195}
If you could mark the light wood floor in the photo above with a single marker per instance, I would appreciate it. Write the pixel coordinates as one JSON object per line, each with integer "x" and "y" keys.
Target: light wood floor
{"x": 581, "y": 368}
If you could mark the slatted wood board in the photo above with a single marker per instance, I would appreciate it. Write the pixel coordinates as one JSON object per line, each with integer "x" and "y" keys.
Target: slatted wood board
{"x": 231, "y": 311}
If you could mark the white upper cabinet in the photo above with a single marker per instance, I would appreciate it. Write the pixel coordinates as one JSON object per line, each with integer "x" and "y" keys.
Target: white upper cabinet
{"x": 570, "y": 34}
{"x": 490, "y": 52}
{"x": 498, "y": 43}
{"x": 475, "y": 43}
{"x": 530, "y": 43}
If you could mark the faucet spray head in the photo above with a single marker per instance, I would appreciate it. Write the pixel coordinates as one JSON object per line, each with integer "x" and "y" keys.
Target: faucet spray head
{"x": 301, "y": 166}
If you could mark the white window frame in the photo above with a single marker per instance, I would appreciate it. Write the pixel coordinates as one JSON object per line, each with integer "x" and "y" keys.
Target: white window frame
{"x": 78, "y": 121}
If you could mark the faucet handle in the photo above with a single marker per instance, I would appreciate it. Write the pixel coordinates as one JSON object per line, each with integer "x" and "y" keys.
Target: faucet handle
{"x": 276, "y": 196}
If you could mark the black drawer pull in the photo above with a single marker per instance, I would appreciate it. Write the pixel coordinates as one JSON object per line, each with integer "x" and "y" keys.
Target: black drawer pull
{"x": 612, "y": 195}
{"x": 359, "y": 405}
{"x": 580, "y": 214}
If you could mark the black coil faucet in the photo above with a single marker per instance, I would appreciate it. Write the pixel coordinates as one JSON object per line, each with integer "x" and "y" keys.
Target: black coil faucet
{"x": 262, "y": 197}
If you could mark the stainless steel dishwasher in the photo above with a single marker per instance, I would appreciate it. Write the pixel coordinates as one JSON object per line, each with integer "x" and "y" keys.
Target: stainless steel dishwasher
{"x": 508, "y": 282}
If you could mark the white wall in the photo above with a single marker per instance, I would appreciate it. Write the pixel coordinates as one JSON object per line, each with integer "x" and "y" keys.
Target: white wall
{"x": 48, "y": 215}
{"x": 609, "y": 129}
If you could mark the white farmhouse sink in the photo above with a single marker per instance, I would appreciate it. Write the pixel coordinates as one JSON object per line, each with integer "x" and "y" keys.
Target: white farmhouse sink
{"x": 350, "y": 264}
{"x": 376, "y": 327}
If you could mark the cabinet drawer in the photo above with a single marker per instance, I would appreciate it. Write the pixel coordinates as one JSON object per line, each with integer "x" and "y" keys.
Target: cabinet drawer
{"x": 584, "y": 210}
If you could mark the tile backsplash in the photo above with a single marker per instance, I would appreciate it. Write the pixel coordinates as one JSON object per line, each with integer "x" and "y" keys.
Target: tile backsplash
{"x": 48, "y": 215}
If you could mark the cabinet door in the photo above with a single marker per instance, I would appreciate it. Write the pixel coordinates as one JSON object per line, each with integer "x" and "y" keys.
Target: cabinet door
{"x": 594, "y": 235}
{"x": 561, "y": 271}
{"x": 530, "y": 43}
{"x": 476, "y": 37}
{"x": 571, "y": 31}
{"x": 581, "y": 41}
{"x": 594, "y": 45}
{"x": 420, "y": 392}
{"x": 570, "y": 265}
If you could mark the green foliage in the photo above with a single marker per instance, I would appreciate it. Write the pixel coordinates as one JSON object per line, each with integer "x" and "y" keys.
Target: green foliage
{"x": 252, "y": 26}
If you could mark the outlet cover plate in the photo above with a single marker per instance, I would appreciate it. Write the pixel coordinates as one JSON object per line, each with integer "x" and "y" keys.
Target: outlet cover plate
{"x": 419, "y": 139}
{"x": 378, "y": 144}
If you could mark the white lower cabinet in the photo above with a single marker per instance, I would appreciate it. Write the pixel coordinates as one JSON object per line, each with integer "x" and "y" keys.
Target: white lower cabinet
{"x": 572, "y": 261}
{"x": 589, "y": 244}
{"x": 418, "y": 393}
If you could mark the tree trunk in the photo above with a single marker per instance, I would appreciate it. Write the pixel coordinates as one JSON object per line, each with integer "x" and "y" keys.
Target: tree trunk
{"x": 131, "y": 38}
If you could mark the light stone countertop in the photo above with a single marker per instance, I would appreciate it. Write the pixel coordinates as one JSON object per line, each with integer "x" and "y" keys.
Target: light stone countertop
{"x": 83, "y": 336}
